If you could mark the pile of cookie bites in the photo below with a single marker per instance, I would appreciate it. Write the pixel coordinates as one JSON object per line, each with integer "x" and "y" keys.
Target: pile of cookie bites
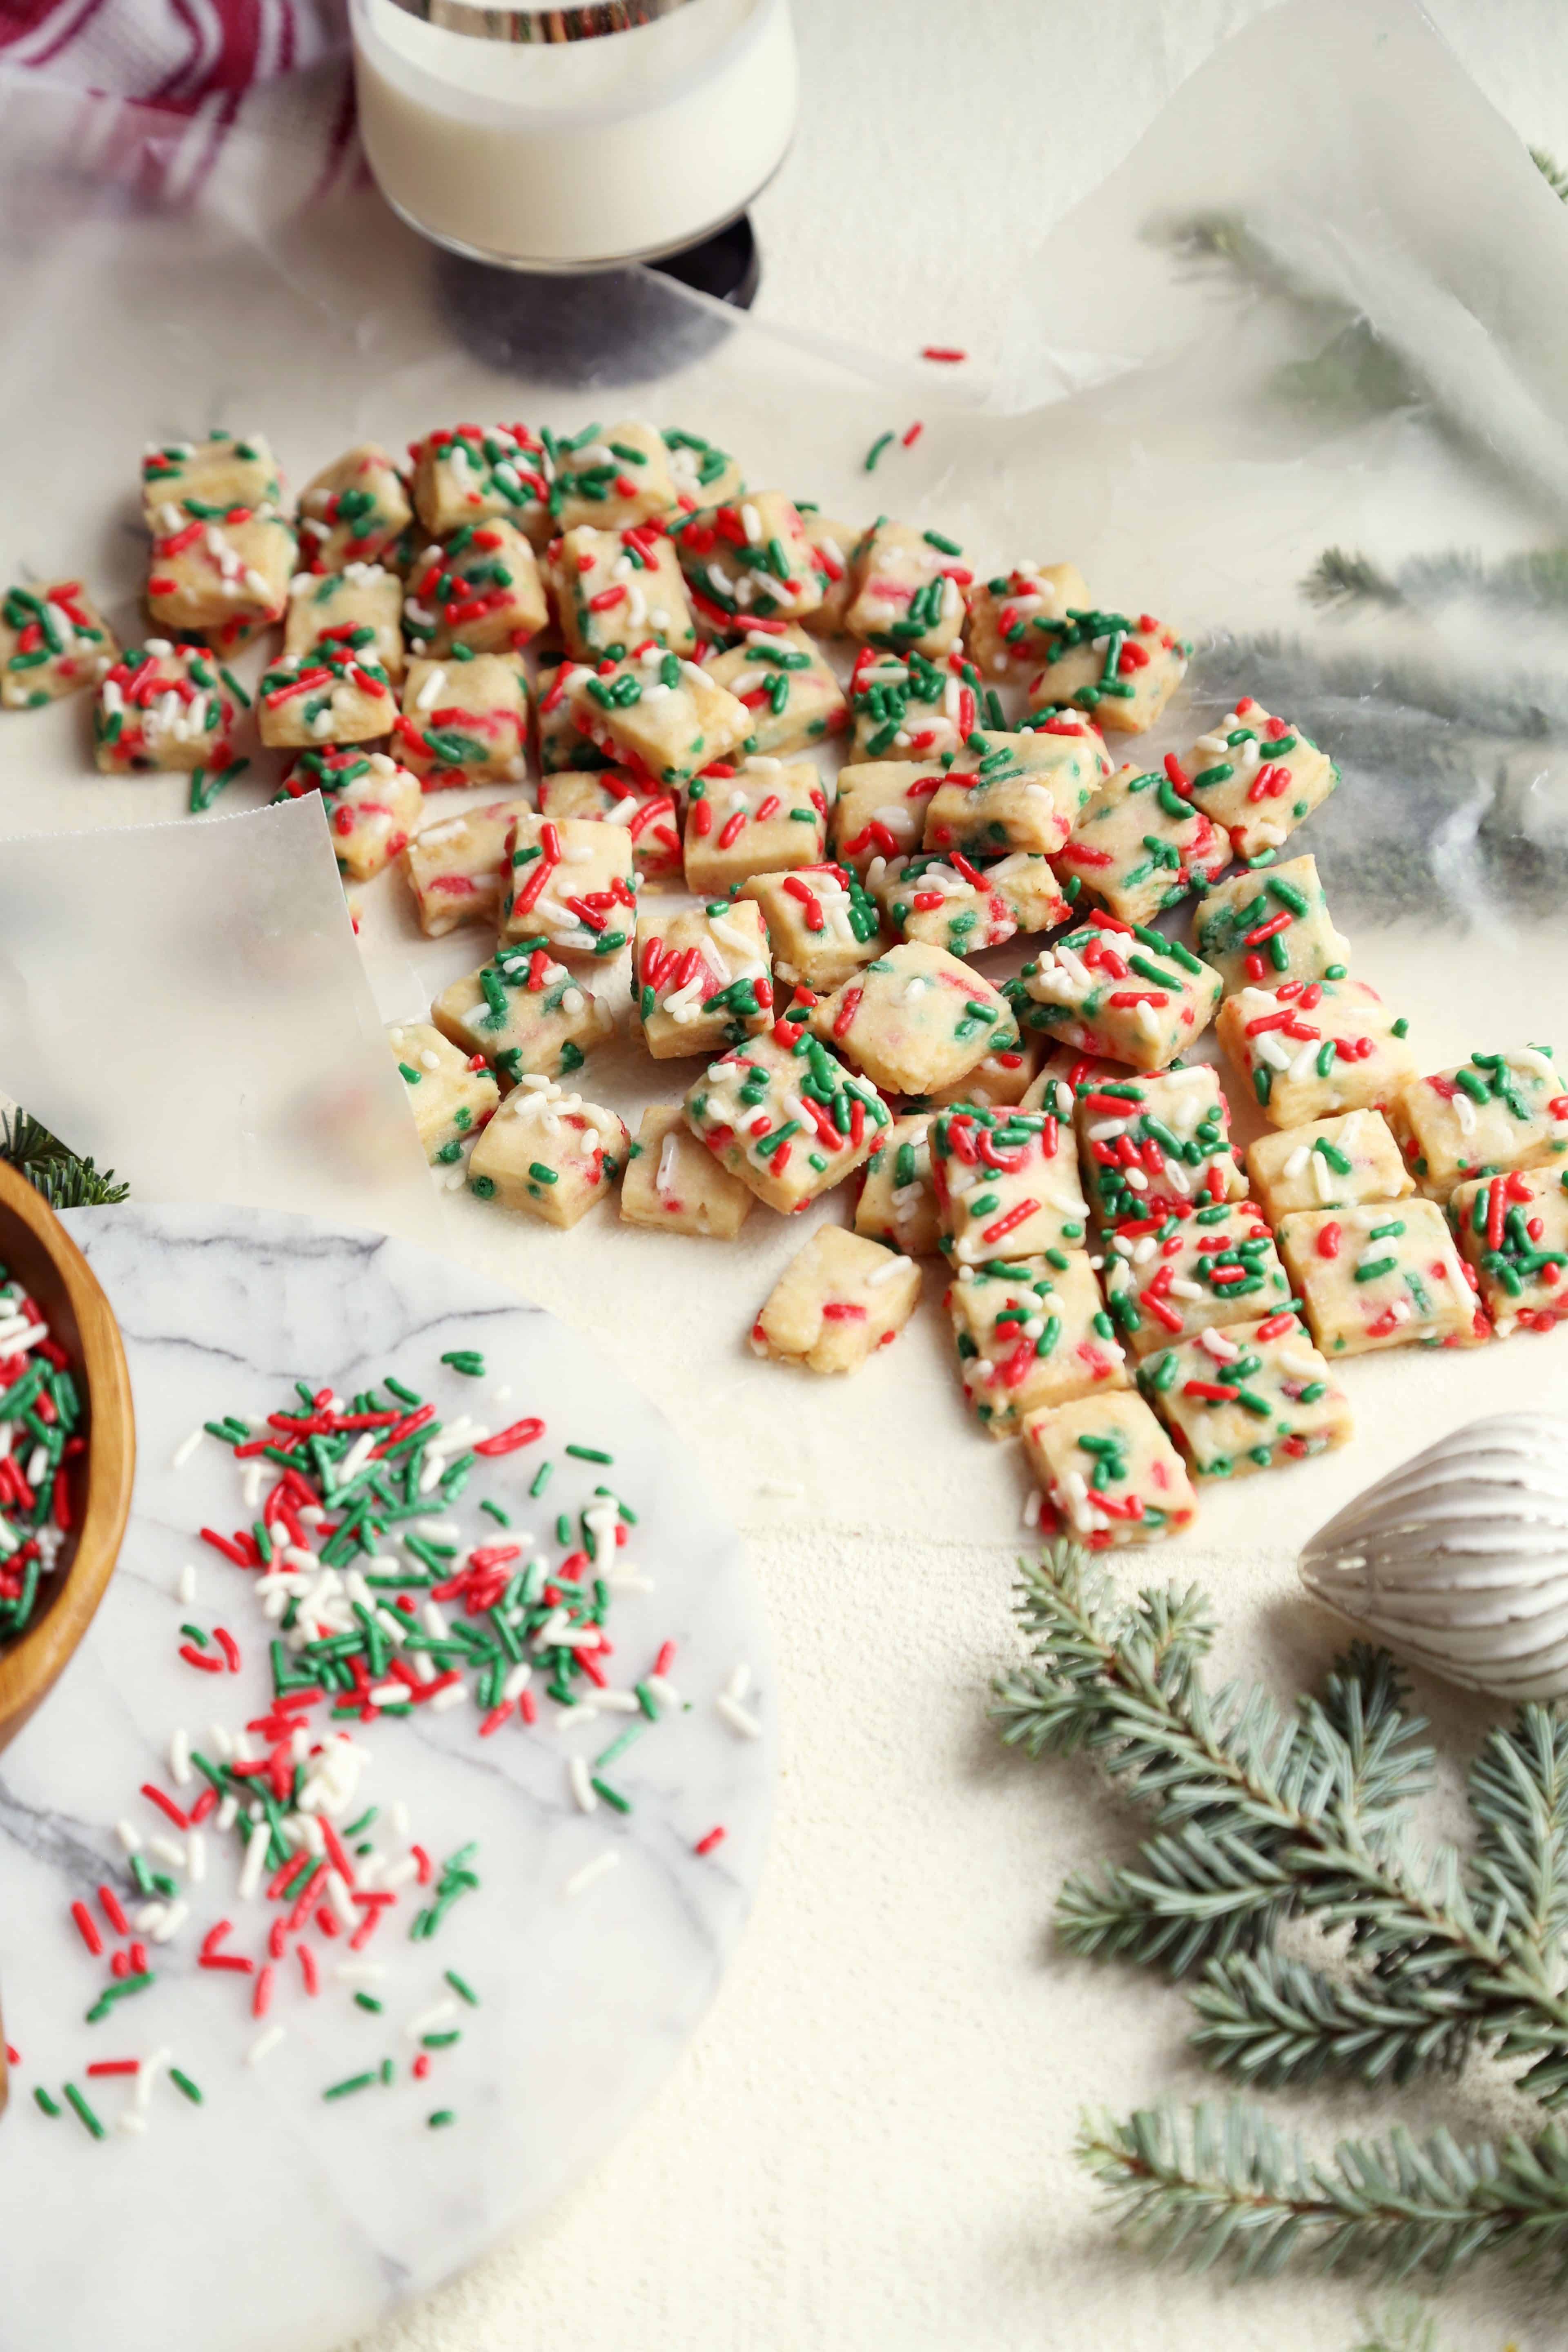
{"x": 645, "y": 661}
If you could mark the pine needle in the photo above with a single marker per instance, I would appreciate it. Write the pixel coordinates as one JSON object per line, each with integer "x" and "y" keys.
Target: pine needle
{"x": 64, "y": 1181}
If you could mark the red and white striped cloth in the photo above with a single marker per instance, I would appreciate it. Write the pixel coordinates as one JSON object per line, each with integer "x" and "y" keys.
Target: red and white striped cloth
{"x": 174, "y": 93}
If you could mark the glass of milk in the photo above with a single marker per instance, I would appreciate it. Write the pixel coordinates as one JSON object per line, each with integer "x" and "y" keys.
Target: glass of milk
{"x": 572, "y": 138}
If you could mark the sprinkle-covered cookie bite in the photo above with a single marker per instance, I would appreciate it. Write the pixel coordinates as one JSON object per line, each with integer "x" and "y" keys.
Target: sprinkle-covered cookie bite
{"x": 904, "y": 706}
{"x": 909, "y": 589}
{"x": 748, "y": 558}
{"x": 941, "y": 896}
{"x": 1140, "y": 846}
{"x": 1124, "y": 669}
{"x": 1109, "y": 1473}
{"x": 373, "y": 805}
{"x": 783, "y": 1115}
{"x": 215, "y": 575}
{"x": 1381, "y": 1276}
{"x": 561, "y": 745}
{"x": 549, "y": 1153}
{"x": 832, "y": 546}
{"x": 915, "y": 1019}
{"x": 480, "y": 592}
{"x": 1010, "y": 613}
{"x": 1152, "y": 1147}
{"x": 203, "y": 481}
{"x": 1218, "y": 1266}
{"x": 1494, "y": 1113}
{"x": 610, "y": 796}
{"x": 674, "y": 1186}
{"x": 1119, "y": 991}
{"x": 1031, "y": 1334}
{"x": 1313, "y": 1048}
{"x": 359, "y": 608}
{"x": 609, "y": 475}
{"x": 898, "y": 1198}
{"x": 574, "y": 882}
{"x": 878, "y": 810}
{"x": 464, "y": 721}
{"x": 1015, "y": 792}
{"x": 525, "y": 1013}
{"x": 1250, "y": 1398}
{"x": 453, "y": 866}
{"x": 1269, "y": 926}
{"x": 334, "y": 694}
{"x": 614, "y": 591}
{"x": 822, "y": 924}
{"x": 836, "y": 1303}
{"x": 164, "y": 706}
{"x": 469, "y": 475}
{"x": 795, "y": 699}
{"x": 1006, "y": 1183}
{"x": 763, "y": 817}
{"x": 703, "y": 474}
{"x": 450, "y": 1099}
{"x": 53, "y": 642}
{"x": 1330, "y": 1163}
{"x": 700, "y": 980}
{"x": 1258, "y": 777}
{"x": 1513, "y": 1232}
{"x": 659, "y": 716}
{"x": 354, "y": 511}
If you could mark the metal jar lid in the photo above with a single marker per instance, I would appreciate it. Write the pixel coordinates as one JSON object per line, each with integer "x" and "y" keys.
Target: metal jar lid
{"x": 590, "y": 21}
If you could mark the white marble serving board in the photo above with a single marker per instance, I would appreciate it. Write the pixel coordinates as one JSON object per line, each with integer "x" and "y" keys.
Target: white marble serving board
{"x": 268, "y": 2217}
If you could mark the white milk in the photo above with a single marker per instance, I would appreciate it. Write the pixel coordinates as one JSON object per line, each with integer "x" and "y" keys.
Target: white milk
{"x": 559, "y": 154}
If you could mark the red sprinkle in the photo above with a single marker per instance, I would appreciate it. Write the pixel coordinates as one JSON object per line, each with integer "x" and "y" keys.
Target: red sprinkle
{"x": 86, "y": 1927}
{"x": 706, "y": 1845}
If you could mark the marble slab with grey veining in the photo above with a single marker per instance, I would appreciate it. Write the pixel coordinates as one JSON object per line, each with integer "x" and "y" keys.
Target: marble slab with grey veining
{"x": 269, "y": 2217}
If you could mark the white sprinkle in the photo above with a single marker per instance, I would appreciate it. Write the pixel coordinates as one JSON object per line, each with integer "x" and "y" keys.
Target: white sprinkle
{"x": 185, "y": 1448}
{"x": 196, "y": 1852}
{"x": 179, "y": 1758}
{"x": 1033, "y": 1502}
{"x": 256, "y": 1847}
{"x": 583, "y": 1879}
{"x": 430, "y": 2020}
{"x": 130, "y": 1838}
{"x": 737, "y": 1717}
{"x": 582, "y": 1787}
{"x": 263, "y": 2046}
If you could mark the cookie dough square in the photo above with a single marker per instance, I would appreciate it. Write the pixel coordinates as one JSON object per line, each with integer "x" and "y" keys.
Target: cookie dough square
{"x": 1513, "y": 1231}
{"x": 1496, "y": 1112}
{"x": 450, "y": 1099}
{"x": 468, "y": 475}
{"x": 464, "y": 721}
{"x": 1254, "y": 1397}
{"x": 1330, "y": 1163}
{"x": 915, "y": 1019}
{"x": 610, "y": 796}
{"x": 54, "y": 641}
{"x": 332, "y": 695}
{"x": 909, "y": 589}
{"x": 359, "y": 608}
{"x": 897, "y": 1197}
{"x": 674, "y": 1185}
{"x": 1018, "y": 792}
{"x": 906, "y": 707}
{"x": 762, "y": 818}
{"x": 1156, "y": 1147}
{"x": 662, "y": 716}
{"x": 212, "y": 575}
{"x": 1218, "y": 1266}
{"x": 1030, "y": 1334}
{"x": 822, "y": 924}
{"x": 835, "y": 1303}
{"x": 563, "y": 747}
{"x": 354, "y": 511}
{"x": 202, "y": 481}
{"x": 701, "y": 978}
{"x": 795, "y": 699}
{"x": 610, "y": 476}
{"x": 703, "y": 474}
{"x": 788, "y": 1120}
{"x": 526, "y": 1014}
{"x": 572, "y": 882}
{"x": 1123, "y": 667}
{"x": 833, "y": 547}
{"x": 482, "y": 591}
{"x": 1311, "y": 1048}
{"x": 1140, "y": 846}
{"x": 453, "y": 866}
{"x": 1127, "y": 994}
{"x": 1006, "y": 1183}
{"x": 878, "y": 810}
{"x": 1109, "y": 1473}
{"x": 615, "y": 590}
{"x": 748, "y": 557}
{"x": 373, "y": 805}
{"x": 1258, "y": 777}
{"x": 549, "y": 1153}
{"x": 1269, "y": 926}
{"x": 945, "y": 898}
{"x": 1385, "y": 1275}
{"x": 1008, "y": 615}
{"x": 164, "y": 706}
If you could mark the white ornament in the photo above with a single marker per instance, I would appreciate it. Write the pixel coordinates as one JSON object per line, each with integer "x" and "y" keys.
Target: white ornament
{"x": 1460, "y": 1560}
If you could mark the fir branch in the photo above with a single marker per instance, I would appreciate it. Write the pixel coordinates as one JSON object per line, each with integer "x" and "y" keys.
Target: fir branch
{"x": 1340, "y": 578}
{"x": 1554, "y": 176}
{"x": 1227, "y": 2187}
{"x": 1273, "y": 2020}
{"x": 64, "y": 1181}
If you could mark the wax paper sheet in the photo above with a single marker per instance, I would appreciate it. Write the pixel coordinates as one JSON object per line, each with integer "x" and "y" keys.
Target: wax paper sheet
{"x": 1292, "y": 378}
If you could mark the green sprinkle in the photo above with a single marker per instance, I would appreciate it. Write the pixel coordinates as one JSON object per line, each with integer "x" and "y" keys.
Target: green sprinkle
{"x": 84, "y": 2111}
{"x": 368, "y": 2000}
{"x": 352, "y": 2082}
{"x": 442, "y": 2116}
{"x": 1402, "y": 1027}
{"x": 464, "y": 1991}
{"x": 875, "y": 451}
{"x": 1374, "y": 1268}
{"x": 48, "y": 2105}
{"x": 183, "y": 2082}
{"x": 589, "y": 1453}
{"x": 541, "y": 1478}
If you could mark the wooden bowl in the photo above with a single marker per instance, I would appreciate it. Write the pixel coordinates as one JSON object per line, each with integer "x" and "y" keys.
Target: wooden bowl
{"x": 36, "y": 1248}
